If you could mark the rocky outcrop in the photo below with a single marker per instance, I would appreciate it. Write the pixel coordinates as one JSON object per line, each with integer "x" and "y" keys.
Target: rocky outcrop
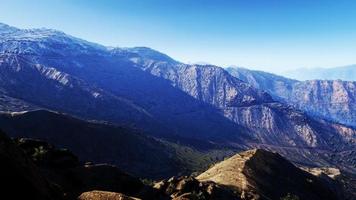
{"x": 258, "y": 174}
{"x": 103, "y": 195}
{"x": 334, "y": 100}
{"x": 210, "y": 84}
{"x": 261, "y": 80}
{"x": 345, "y": 180}
{"x": 179, "y": 188}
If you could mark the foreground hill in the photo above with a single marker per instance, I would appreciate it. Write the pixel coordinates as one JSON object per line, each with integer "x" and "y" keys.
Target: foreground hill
{"x": 258, "y": 174}
{"x": 330, "y": 99}
{"x": 38, "y": 170}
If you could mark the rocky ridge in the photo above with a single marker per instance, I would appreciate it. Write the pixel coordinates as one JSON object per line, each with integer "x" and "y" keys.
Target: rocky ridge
{"x": 258, "y": 174}
{"x": 267, "y": 121}
{"x": 334, "y": 100}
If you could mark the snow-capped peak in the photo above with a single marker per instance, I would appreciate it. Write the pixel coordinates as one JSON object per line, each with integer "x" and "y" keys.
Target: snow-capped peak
{"x": 6, "y": 29}
{"x": 32, "y": 41}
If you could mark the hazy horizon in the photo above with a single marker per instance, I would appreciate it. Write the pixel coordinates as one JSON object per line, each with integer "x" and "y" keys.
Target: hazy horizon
{"x": 274, "y": 36}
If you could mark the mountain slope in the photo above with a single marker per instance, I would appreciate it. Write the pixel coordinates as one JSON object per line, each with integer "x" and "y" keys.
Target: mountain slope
{"x": 90, "y": 78}
{"x": 268, "y": 123}
{"x": 336, "y": 100}
{"x": 240, "y": 102}
{"x": 259, "y": 174}
{"x": 10, "y": 104}
{"x": 92, "y": 141}
{"x": 332, "y": 100}
{"x": 271, "y": 83}
{"x": 129, "y": 149}
{"x": 48, "y": 87}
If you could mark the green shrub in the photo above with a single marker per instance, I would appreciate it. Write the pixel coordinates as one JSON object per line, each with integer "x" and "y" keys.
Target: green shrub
{"x": 39, "y": 153}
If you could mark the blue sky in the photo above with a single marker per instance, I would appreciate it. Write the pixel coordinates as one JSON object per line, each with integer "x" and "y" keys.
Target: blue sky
{"x": 271, "y": 35}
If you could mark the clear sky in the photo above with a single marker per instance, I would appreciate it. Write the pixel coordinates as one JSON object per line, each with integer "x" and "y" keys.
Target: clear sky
{"x": 271, "y": 35}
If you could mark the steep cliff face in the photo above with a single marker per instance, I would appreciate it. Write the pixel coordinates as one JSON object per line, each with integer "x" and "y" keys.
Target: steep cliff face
{"x": 284, "y": 125}
{"x": 209, "y": 84}
{"x": 271, "y": 83}
{"x": 334, "y": 100}
{"x": 329, "y": 99}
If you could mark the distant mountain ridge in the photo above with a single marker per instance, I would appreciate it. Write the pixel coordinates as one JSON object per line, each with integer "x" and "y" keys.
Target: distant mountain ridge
{"x": 345, "y": 73}
{"x": 330, "y": 99}
{"x": 268, "y": 122}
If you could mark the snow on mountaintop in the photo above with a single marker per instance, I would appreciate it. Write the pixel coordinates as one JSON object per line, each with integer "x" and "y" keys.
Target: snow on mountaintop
{"x": 44, "y": 41}
{"x": 150, "y": 53}
{"x": 143, "y": 54}
{"x": 15, "y": 40}
{"x": 10, "y": 33}
{"x": 6, "y": 29}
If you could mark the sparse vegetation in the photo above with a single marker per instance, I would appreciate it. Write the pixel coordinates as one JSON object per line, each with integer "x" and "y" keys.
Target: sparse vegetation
{"x": 39, "y": 153}
{"x": 192, "y": 160}
{"x": 148, "y": 182}
{"x": 290, "y": 197}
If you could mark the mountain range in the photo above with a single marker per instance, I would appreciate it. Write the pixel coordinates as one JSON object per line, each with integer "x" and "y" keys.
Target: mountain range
{"x": 154, "y": 116}
{"x": 334, "y": 100}
{"x": 346, "y": 73}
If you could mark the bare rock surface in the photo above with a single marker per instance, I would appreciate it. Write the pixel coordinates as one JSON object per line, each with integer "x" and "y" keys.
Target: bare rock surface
{"x": 103, "y": 195}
